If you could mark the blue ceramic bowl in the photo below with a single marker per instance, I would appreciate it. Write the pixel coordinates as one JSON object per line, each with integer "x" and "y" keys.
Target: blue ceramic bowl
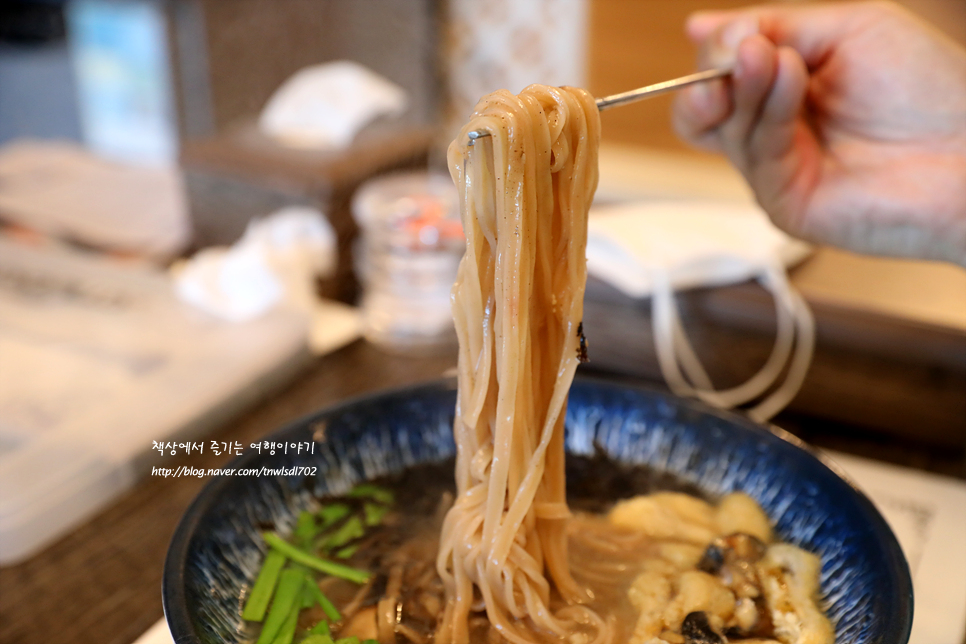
{"x": 216, "y": 550}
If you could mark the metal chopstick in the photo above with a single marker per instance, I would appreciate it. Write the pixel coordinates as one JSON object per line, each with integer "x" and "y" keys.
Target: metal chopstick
{"x": 641, "y": 93}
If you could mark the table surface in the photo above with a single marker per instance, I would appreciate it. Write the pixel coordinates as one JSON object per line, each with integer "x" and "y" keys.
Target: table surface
{"x": 102, "y": 582}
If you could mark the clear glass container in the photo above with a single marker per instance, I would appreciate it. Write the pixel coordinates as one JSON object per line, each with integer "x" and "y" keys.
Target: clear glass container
{"x": 406, "y": 257}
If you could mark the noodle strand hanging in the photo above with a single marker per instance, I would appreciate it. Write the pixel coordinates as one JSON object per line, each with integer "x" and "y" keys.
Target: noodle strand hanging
{"x": 525, "y": 191}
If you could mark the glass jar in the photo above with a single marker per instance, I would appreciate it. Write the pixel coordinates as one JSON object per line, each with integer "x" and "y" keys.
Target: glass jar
{"x": 407, "y": 257}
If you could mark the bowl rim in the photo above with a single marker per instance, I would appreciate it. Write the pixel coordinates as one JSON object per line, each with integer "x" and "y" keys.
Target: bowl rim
{"x": 174, "y": 601}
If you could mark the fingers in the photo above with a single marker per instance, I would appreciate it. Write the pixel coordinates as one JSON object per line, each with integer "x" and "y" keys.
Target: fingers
{"x": 782, "y": 106}
{"x": 719, "y": 115}
{"x": 699, "y": 110}
{"x": 755, "y": 119}
{"x": 756, "y": 66}
{"x": 813, "y": 31}
{"x": 701, "y": 24}
{"x": 781, "y": 157}
{"x": 720, "y": 48}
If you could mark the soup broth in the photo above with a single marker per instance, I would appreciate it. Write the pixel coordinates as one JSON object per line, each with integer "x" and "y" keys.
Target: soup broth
{"x": 398, "y": 547}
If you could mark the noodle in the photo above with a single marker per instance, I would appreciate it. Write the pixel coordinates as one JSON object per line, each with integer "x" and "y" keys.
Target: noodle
{"x": 518, "y": 301}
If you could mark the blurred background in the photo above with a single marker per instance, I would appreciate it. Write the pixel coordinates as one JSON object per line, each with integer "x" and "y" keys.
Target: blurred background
{"x": 218, "y": 62}
{"x": 218, "y": 215}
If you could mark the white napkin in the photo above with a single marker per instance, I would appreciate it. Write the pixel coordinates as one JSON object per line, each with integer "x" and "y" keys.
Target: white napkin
{"x": 325, "y": 106}
{"x": 276, "y": 260}
{"x": 657, "y": 248}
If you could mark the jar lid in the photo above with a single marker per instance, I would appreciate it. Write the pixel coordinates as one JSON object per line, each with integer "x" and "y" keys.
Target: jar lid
{"x": 423, "y": 207}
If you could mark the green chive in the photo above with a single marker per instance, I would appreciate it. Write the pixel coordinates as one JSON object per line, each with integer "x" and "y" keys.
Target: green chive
{"x": 374, "y": 513}
{"x": 352, "y": 639}
{"x": 351, "y": 529}
{"x": 305, "y": 528}
{"x": 319, "y": 639}
{"x": 327, "y": 606}
{"x": 347, "y": 552}
{"x": 374, "y": 492}
{"x": 287, "y": 633}
{"x": 264, "y": 586}
{"x": 332, "y": 514}
{"x": 289, "y": 586}
{"x": 302, "y": 557}
{"x": 322, "y": 628}
{"x": 308, "y": 599}
{"x": 370, "y": 641}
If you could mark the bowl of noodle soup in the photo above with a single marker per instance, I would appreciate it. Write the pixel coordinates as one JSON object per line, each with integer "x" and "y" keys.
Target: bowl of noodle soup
{"x": 521, "y": 506}
{"x": 677, "y": 444}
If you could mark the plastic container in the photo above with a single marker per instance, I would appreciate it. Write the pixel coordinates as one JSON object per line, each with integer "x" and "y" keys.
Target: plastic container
{"x": 407, "y": 257}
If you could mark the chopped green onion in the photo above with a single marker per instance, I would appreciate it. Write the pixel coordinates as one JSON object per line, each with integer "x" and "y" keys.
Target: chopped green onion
{"x": 374, "y": 513}
{"x": 351, "y": 529}
{"x": 319, "y": 639}
{"x": 308, "y": 599}
{"x": 327, "y": 606}
{"x": 287, "y": 633}
{"x": 305, "y": 528}
{"x": 302, "y": 557}
{"x": 264, "y": 586}
{"x": 347, "y": 552}
{"x": 374, "y": 492}
{"x": 289, "y": 586}
{"x": 352, "y": 639}
{"x": 322, "y": 628}
{"x": 370, "y": 641}
{"x": 332, "y": 514}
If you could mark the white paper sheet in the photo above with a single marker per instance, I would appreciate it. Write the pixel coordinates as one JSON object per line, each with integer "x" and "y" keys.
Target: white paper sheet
{"x": 99, "y": 361}
{"x": 928, "y": 515}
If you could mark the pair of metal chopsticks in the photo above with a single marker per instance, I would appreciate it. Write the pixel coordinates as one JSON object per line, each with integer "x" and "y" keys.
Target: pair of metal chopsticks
{"x": 640, "y": 94}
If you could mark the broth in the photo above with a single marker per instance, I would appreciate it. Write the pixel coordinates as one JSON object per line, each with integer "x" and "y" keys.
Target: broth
{"x": 401, "y": 552}
{"x": 657, "y": 562}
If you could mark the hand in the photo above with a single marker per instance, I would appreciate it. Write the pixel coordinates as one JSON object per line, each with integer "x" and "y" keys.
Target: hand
{"x": 847, "y": 120}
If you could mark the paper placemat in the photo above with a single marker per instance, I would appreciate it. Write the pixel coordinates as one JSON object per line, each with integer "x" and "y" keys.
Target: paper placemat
{"x": 100, "y": 360}
{"x": 927, "y": 514}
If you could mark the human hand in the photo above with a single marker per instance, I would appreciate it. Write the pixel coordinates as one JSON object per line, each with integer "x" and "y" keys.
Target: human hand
{"x": 847, "y": 120}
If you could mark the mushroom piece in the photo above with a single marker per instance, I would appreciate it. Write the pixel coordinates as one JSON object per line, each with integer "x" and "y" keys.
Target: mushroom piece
{"x": 733, "y": 559}
{"x": 733, "y": 548}
{"x": 697, "y": 630}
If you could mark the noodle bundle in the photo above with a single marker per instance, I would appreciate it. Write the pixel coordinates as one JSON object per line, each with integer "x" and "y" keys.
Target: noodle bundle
{"x": 525, "y": 191}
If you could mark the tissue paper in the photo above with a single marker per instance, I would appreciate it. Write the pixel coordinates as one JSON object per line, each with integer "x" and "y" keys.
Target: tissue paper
{"x": 325, "y": 106}
{"x": 276, "y": 260}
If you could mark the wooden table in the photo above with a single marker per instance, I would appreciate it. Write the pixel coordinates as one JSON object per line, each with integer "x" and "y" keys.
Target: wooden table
{"x": 102, "y": 583}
